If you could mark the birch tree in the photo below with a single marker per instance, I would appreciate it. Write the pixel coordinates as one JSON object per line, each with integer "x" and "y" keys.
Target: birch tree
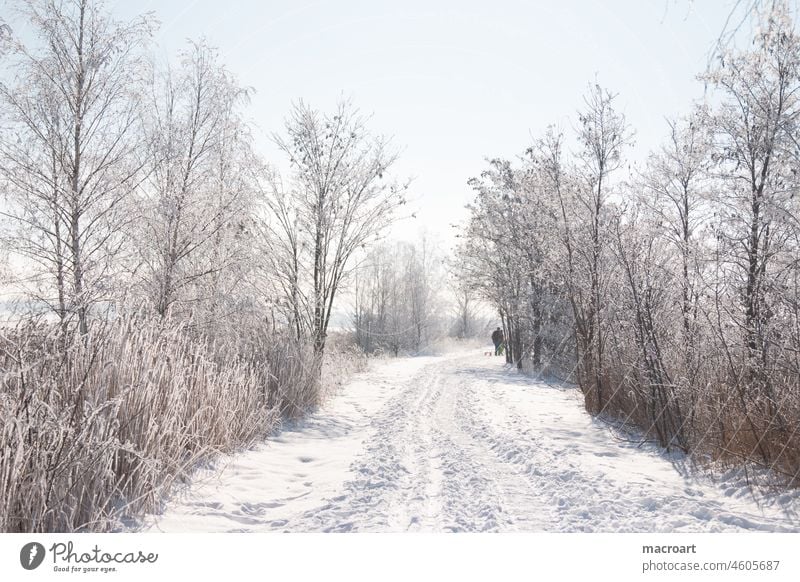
{"x": 200, "y": 179}
{"x": 68, "y": 155}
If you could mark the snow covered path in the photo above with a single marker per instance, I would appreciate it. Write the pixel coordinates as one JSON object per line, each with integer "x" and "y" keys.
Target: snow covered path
{"x": 458, "y": 443}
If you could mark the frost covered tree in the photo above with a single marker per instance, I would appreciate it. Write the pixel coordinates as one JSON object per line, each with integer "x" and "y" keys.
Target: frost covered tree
{"x": 198, "y": 195}
{"x": 463, "y": 301}
{"x": 675, "y": 189}
{"x": 489, "y": 249}
{"x": 338, "y": 200}
{"x": 68, "y": 151}
{"x": 602, "y": 133}
{"x": 755, "y": 136}
{"x": 507, "y": 255}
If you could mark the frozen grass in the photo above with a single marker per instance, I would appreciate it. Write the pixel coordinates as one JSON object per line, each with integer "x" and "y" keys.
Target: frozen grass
{"x": 343, "y": 358}
{"x": 97, "y": 430}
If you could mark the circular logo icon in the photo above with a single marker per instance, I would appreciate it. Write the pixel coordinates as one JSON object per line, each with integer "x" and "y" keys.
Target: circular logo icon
{"x": 31, "y": 555}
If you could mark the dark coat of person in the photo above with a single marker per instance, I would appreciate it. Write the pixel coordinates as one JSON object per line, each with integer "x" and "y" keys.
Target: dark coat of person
{"x": 497, "y": 336}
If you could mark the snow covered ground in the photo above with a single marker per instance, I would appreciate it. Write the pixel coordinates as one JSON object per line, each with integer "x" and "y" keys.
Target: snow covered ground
{"x": 459, "y": 443}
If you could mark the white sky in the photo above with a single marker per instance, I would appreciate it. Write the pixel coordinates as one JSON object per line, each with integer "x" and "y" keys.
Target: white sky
{"x": 453, "y": 81}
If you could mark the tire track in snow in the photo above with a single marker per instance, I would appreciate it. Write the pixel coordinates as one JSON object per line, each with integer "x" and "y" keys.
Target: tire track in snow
{"x": 486, "y": 493}
{"x": 395, "y": 484}
{"x": 422, "y": 469}
{"x": 427, "y": 468}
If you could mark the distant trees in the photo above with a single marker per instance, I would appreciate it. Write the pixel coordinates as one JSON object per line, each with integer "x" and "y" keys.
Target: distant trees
{"x": 132, "y": 190}
{"x": 465, "y": 309}
{"x": 677, "y": 286}
{"x": 397, "y": 295}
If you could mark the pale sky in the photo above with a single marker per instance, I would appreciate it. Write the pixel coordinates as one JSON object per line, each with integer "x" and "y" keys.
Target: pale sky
{"x": 453, "y": 81}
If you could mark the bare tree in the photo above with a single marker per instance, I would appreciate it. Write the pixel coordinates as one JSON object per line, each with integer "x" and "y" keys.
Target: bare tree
{"x": 603, "y": 133}
{"x": 199, "y": 177}
{"x": 508, "y": 253}
{"x": 492, "y": 252}
{"x": 69, "y": 153}
{"x": 675, "y": 188}
{"x": 755, "y": 131}
{"x": 339, "y": 200}
{"x": 396, "y": 298}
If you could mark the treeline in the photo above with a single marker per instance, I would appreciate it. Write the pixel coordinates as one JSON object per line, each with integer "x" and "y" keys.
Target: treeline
{"x": 671, "y": 292}
{"x": 408, "y": 300}
{"x": 176, "y": 292}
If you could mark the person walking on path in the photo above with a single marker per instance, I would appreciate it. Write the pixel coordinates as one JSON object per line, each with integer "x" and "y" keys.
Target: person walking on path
{"x": 497, "y": 339}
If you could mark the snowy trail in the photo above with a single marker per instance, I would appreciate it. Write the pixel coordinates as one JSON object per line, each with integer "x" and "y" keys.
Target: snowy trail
{"x": 458, "y": 443}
